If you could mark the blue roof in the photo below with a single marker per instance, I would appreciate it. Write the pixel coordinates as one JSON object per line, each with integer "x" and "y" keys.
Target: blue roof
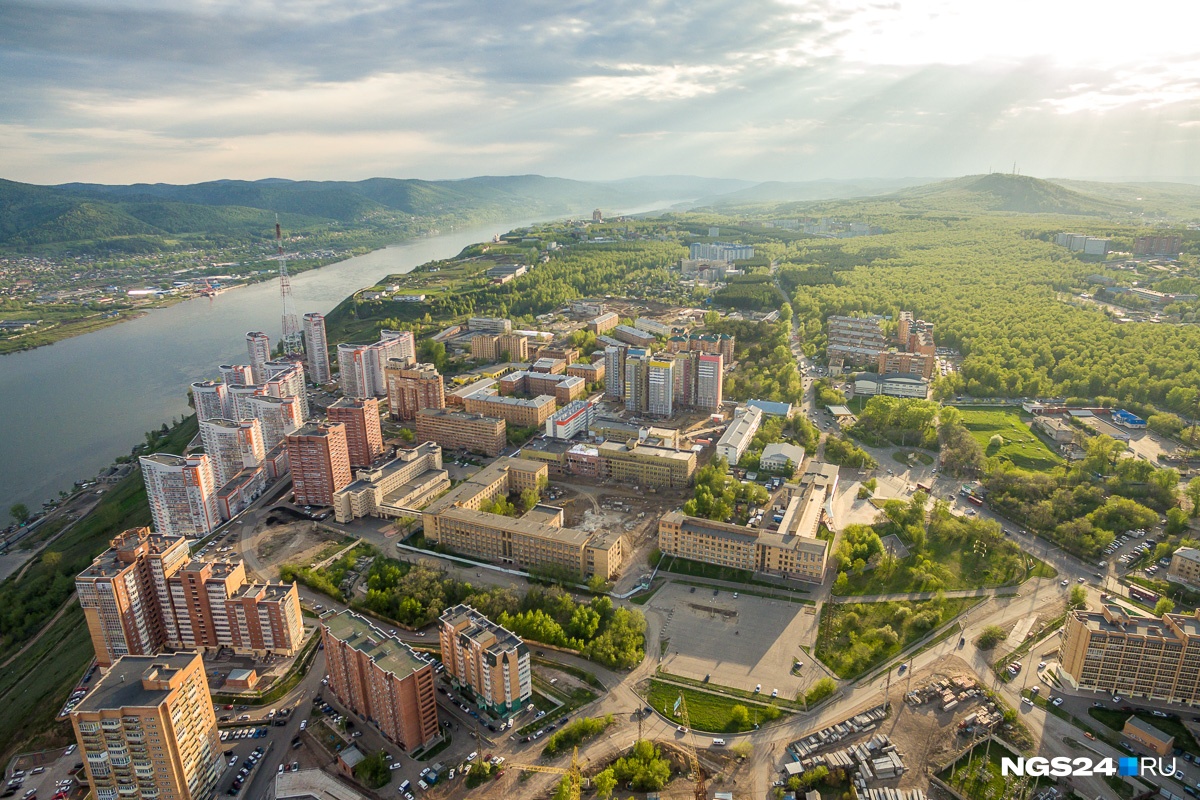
{"x": 771, "y": 408}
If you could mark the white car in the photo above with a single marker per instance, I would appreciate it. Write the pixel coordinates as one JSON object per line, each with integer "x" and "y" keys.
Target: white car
{"x": 395, "y": 765}
{"x": 474, "y": 755}
{"x": 1058, "y": 701}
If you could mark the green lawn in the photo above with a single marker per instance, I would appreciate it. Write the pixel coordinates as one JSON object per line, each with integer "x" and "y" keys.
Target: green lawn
{"x": 960, "y": 569}
{"x": 707, "y": 712}
{"x": 854, "y": 638}
{"x": 907, "y": 457}
{"x": 977, "y": 772}
{"x": 1022, "y": 447}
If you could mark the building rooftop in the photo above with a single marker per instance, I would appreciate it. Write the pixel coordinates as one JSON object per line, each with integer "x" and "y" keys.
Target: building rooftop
{"x": 122, "y": 685}
{"x": 840, "y": 411}
{"x": 611, "y": 449}
{"x": 479, "y": 624}
{"x": 741, "y": 427}
{"x": 480, "y": 481}
{"x": 771, "y": 408}
{"x": 319, "y": 429}
{"x": 312, "y": 784}
{"x": 793, "y": 452}
{"x": 535, "y": 402}
{"x": 1145, "y": 727}
{"x": 122, "y": 551}
{"x": 1188, "y": 554}
{"x": 522, "y": 525}
{"x": 385, "y": 650}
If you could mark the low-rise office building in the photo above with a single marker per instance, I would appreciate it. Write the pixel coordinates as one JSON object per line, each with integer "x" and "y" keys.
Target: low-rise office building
{"x": 461, "y": 430}
{"x": 1185, "y": 566}
{"x": 896, "y": 385}
{"x": 395, "y": 487}
{"x": 564, "y": 388}
{"x": 777, "y": 455}
{"x": 571, "y": 420}
{"x": 491, "y": 660}
{"x": 536, "y": 540}
{"x": 380, "y": 678}
{"x": 788, "y": 555}
{"x": 516, "y": 411}
{"x": 736, "y": 439}
{"x": 1143, "y": 733}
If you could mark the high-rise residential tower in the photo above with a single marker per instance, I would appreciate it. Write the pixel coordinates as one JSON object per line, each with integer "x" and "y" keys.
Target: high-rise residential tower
{"x": 492, "y": 660}
{"x": 364, "y": 437}
{"x": 182, "y": 493}
{"x": 258, "y": 345}
{"x": 660, "y": 389}
{"x": 147, "y": 731}
{"x": 211, "y": 399}
{"x": 412, "y": 388}
{"x": 232, "y": 446}
{"x": 320, "y": 463}
{"x": 317, "y": 348}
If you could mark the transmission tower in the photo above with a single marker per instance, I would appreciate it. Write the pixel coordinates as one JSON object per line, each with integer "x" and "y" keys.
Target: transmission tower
{"x": 293, "y": 339}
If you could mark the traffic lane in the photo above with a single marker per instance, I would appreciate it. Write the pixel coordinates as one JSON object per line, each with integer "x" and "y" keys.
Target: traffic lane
{"x": 300, "y": 699}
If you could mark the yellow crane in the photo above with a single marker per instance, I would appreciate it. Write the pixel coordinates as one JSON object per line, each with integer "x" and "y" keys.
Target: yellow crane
{"x": 574, "y": 771}
{"x": 701, "y": 791}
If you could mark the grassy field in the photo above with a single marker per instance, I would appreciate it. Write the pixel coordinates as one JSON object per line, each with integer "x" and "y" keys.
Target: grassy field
{"x": 708, "y": 712}
{"x": 977, "y": 772}
{"x": 1022, "y": 447}
{"x": 854, "y": 638}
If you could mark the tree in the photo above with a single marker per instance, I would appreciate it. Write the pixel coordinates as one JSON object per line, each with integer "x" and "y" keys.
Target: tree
{"x": 739, "y": 717}
{"x": 991, "y": 636}
{"x": 1177, "y": 520}
{"x": 1192, "y": 490}
{"x": 1165, "y": 605}
{"x": 19, "y": 512}
{"x": 605, "y": 781}
{"x": 52, "y": 559}
{"x": 1078, "y": 597}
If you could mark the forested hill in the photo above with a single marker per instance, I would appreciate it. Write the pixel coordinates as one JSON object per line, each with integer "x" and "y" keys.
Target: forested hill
{"x": 87, "y": 215}
{"x": 1004, "y": 192}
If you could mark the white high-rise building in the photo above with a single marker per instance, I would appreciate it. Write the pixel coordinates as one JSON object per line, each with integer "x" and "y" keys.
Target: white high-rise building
{"x": 362, "y": 365}
{"x": 232, "y": 446}
{"x": 239, "y": 400}
{"x": 182, "y": 492}
{"x": 317, "y": 348}
{"x": 211, "y": 399}
{"x": 661, "y": 387}
{"x": 405, "y": 342}
{"x": 614, "y": 371}
{"x": 286, "y": 379}
{"x": 258, "y": 345}
{"x": 236, "y": 373}
{"x": 279, "y": 417}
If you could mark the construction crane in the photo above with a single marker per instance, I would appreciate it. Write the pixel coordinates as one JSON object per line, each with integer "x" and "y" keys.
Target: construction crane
{"x": 574, "y": 772}
{"x": 701, "y": 791}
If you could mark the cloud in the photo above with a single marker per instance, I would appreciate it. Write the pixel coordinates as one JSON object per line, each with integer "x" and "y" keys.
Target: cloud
{"x": 124, "y": 90}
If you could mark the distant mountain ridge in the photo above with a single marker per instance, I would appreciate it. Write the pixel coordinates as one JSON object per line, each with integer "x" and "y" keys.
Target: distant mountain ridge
{"x": 999, "y": 191}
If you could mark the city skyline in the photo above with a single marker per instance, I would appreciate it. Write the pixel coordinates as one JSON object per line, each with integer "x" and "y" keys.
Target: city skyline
{"x": 129, "y": 92}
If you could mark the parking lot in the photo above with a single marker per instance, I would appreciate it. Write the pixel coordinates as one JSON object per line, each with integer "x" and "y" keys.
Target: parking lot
{"x": 738, "y": 641}
{"x": 48, "y": 774}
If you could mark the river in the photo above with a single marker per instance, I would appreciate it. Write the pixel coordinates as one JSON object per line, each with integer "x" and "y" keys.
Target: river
{"x": 68, "y": 409}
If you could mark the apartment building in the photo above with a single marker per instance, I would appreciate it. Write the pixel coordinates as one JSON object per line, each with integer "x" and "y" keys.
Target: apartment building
{"x": 395, "y": 487}
{"x": 147, "y": 731}
{"x": 1185, "y": 566}
{"x": 491, "y": 660}
{"x": 316, "y": 347}
{"x": 892, "y": 361}
{"x": 711, "y": 343}
{"x": 286, "y": 379}
{"x": 462, "y": 430}
{"x": 645, "y": 464}
{"x": 182, "y": 492}
{"x": 652, "y": 326}
{"x": 236, "y": 373}
{"x": 571, "y": 420}
{"x": 720, "y": 251}
{"x": 535, "y": 540}
{"x": 363, "y": 366}
{"x": 378, "y": 677}
{"x": 604, "y": 323}
{"x": 737, "y": 436}
{"x": 516, "y": 411}
{"x": 232, "y": 446}
{"x": 787, "y": 555}
{"x": 591, "y": 373}
{"x": 258, "y": 347}
{"x": 319, "y": 461}
{"x": 412, "y": 388}
{"x": 855, "y": 340}
{"x": 568, "y": 354}
{"x": 211, "y": 399}
{"x": 614, "y": 370}
{"x": 632, "y": 336}
{"x": 124, "y": 593}
{"x": 1113, "y": 651}
{"x": 364, "y": 436}
{"x": 145, "y": 593}
{"x": 279, "y": 416}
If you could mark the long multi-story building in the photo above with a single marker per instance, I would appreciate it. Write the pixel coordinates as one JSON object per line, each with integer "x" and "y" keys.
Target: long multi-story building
{"x": 316, "y": 347}
{"x": 1115, "y": 652}
{"x": 571, "y": 420}
{"x": 590, "y": 372}
{"x": 147, "y": 731}
{"x": 517, "y": 411}
{"x": 855, "y": 340}
{"x": 491, "y": 660}
{"x": 412, "y": 388}
{"x": 489, "y": 325}
{"x": 145, "y": 593}
{"x": 604, "y": 323}
{"x": 320, "y": 463}
{"x": 1185, "y": 566}
{"x": 211, "y": 399}
{"x": 632, "y": 336}
{"x": 124, "y": 593}
{"x": 537, "y": 539}
{"x": 232, "y": 446}
{"x": 286, "y": 379}
{"x": 363, "y": 366}
{"x": 720, "y": 251}
{"x": 1167, "y": 246}
{"x": 564, "y": 388}
{"x": 364, "y": 436}
{"x": 789, "y": 550}
{"x": 462, "y": 430}
{"x": 236, "y": 373}
{"x": 895, "y": 362}
{"x": 258, "y": 346}
{"x": 737, "y": 437}
{"x": 182, "y": 492}
{"x": 378, "y": 677}
{"x": 395, "y": 487}
{"x": 646, "y": 464}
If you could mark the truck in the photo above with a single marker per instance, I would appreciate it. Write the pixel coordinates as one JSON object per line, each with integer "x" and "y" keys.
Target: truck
{"x": 925, "y": 487}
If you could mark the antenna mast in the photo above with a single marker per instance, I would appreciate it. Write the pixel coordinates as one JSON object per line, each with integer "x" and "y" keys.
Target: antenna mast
{"x": 293, "y": 340}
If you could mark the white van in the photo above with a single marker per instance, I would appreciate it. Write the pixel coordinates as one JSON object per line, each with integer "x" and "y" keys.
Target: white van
{"x": 718, "y": 742}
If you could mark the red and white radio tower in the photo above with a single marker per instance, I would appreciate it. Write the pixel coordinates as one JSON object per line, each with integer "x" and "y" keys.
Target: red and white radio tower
{"x": 293, "y": 339}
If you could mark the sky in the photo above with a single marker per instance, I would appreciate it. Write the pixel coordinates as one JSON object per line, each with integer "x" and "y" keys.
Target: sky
{"x": 124, "y": 91}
